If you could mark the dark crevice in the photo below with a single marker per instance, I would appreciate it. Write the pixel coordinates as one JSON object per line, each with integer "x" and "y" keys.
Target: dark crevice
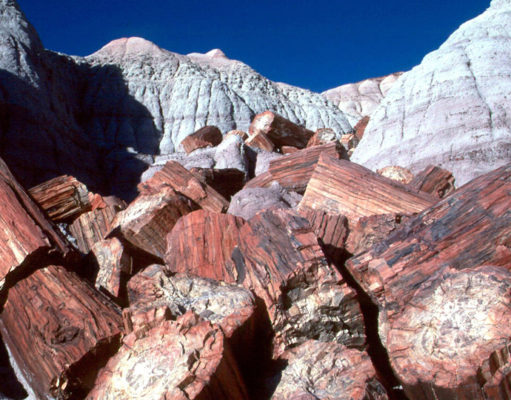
{"x": 375, "y": 348}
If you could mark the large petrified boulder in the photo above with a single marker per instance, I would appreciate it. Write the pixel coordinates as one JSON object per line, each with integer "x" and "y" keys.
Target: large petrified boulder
{"x": 441, "y": 283}
{"x": 280, "y": 260}
{"x": 358, "y": 100}
{"x": 60, "y": 331}
{"x": 195, "y": 352}
{"x": 451, "y": 110}
{"x": 343, "y": 187}
{"x": 149, "y": 218}
{"x": 326, "y": 370}
{"x": 229, "y": 306}
{"x": 25, "y": 234}
{"x": 202, "y": 242}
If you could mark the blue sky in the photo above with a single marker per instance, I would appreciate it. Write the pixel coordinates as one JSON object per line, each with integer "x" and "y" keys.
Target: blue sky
{"x": 312, "y": 44}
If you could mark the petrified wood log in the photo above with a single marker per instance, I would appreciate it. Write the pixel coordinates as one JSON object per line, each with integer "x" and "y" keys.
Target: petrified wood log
{"x": 60, "y": 331}
{"x": 279, "y": 130}
{"x": 153, "y": 293}
{"x": 434, "y": 180}
{"x": 174, "y": 175}
{"x": 25, "y": 234}
{"x": 148, "y": 219}
{"x": 330, "y": 229}
{"x": 369, "y": 231}
{"x": 178, "y": 360}
{"x": 412, "y": 278}
{"x": 202, "y": 242}
{"x": 242, "y": 134}
{"x": 495, "y": 373}
{"x": 325, "y": 370}
{"x": 260, "y": 141}
{"x": 360, "y": 127}
{"x": 293, "y": 171}
{"x": 280, "y": 260}
{"x": 208, "y": 136}
{"x": 343, "y": 187}
{"x": 227, "y": 181}
{"x": 114, "y": 264}
{"x": 92, "y": 227}
{"x": 63, "y": 198}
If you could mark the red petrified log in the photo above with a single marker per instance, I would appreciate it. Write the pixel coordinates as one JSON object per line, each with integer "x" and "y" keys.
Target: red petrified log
{"x": 293, "y": 171}
{"x": 442, "y": 309}
{"x": 434, "y": 180}
{"x": 202, "y": 242}
{"x": 261, "y": 141}
{"x": 343, "y": 187}
{"x": 279, "y": 130}
{"x": 59, "y": 331}
{"x": 114, "y": 264}
{"x": 178, "y": 360}
{"x": 174, "y": 175}
{"x": 154, "y": 294}
{"x": 209, "y": 136}
{"x": 280, "y": 260}
{"x": 149, "y": 218}
{"x": 25, "y": 233}
{"x": 360, "y": 127}
{"x": 63, "y": 198}
{"x": 325, "y": 370}
{"x": 322, "y": 136}
{"x": 92, "y": 227}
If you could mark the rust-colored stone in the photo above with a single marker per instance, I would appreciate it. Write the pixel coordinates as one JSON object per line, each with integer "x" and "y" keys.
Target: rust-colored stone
{"x": 322, "y": 136}
{"x": 208, "y": 136}
{"x": 59, "y": 331}
{"x": 346, "y": 188}
{"x": 434, "y": 180}
{"x": 279, "y": 130}
{"x": 261, "y": 141}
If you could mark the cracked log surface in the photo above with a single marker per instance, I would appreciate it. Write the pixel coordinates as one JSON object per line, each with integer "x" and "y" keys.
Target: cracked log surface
{"x": 174, "y": 175}
{"x": 25, "y": 233}
{"x": 195, "y": 351}
{"x": 208, "y": 136}
{"x": 293, "y": 171}
{"x": 63, "y": 198}
{"x": 326, "y": 370}
{"x": 442, "y": 282}
{"x": 342, "y": 187}
{"x": 59, "y": 331}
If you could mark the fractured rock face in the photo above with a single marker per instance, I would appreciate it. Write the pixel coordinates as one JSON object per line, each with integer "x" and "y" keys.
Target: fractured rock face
{"x": 451, "y": 110}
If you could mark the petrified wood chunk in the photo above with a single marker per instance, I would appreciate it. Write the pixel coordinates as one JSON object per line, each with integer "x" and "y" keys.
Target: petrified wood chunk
{"x": 91, "y": 227}
{"x": 152, "y": 289}
{"x": 434, "y": 180}
{"x": 293, "y": 171}
{"x": 60, "y": 331}
{"x": 280, "y": 259}
{"x": 343, "y": 187}
{"x": 279, "y": 130}
{"x": 25, "y": 234}
{"x": 208, "y": 136}
{"x": 115, "y": 265}
{"x": 227, "y": 181}
{"x": 397, "y": 173}
{"x": 371, "y": 230}
{"x": 322, "y": 136}
{"x": 149, "y": 218}
{"x": 404, "y": 276}
{"x": 242, "y": 134}
{"x": 360, "y": 127}
{"x": 289, "y": 149}
{"x": 202, "y": 242}
{"x": 178, "y": 360}
{"x": 495, "y": 373}
{"x": 249, "y": 201}
{"x": 174, "y": 175}
{"x": 63, "y": 198}
{"x": 325, "y": 370}
{"x": 260, "y": 141}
